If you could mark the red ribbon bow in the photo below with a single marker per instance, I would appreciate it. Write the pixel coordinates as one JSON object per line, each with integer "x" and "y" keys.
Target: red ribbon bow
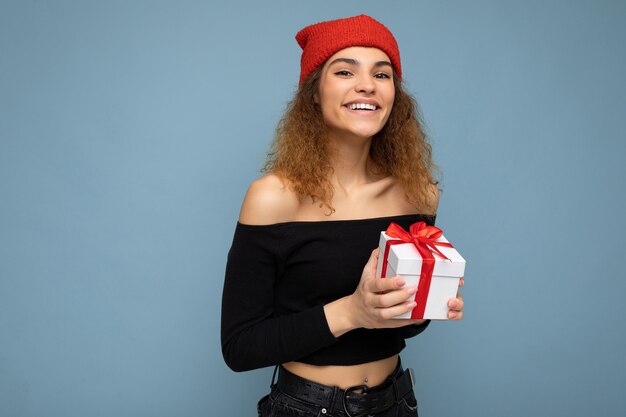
{"x": 424, "y": 238}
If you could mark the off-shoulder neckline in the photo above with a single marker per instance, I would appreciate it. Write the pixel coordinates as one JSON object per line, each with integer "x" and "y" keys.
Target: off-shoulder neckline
{"x": 335, "y": 222}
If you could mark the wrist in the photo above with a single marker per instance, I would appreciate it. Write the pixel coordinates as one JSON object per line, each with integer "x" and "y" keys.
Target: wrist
{"x": 339, "y": 316}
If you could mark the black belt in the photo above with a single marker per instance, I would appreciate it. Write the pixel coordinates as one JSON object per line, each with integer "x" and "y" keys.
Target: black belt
{"x": 369, "y": 401}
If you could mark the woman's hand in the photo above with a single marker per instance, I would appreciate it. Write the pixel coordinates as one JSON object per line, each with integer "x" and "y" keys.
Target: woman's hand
{"x": 373, "y": 303}
{"x": 456, "y": 304}
{"x": 376, "y": 301}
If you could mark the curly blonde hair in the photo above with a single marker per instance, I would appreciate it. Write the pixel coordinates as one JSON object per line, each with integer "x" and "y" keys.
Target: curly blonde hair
{"x": 300, "y": 151}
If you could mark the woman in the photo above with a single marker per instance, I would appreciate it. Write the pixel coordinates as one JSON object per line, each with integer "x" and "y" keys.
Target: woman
{"x": 300, "y": 291}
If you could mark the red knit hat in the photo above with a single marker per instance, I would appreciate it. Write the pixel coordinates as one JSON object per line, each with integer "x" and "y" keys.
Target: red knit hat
{"x": 321, "y": 40}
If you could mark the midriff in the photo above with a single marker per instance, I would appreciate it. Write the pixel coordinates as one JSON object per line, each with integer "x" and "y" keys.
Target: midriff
{"x": 370, "y": 374}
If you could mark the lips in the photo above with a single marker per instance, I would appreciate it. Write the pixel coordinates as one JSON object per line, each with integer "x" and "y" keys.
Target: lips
{"x": 363, "y": 104}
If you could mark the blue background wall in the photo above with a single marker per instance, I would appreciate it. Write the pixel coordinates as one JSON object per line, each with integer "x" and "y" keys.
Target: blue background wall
{"x": 129, "y": 132}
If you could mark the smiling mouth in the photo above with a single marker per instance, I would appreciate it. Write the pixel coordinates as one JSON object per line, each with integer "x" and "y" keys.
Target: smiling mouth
{"x": 362, "y": 106}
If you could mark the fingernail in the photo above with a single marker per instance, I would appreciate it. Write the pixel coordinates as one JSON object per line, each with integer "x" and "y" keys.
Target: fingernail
{"x": 400, "y": 283}
{"x": 412, "y": 290}
{"x": 412, "y": 304}
{"x": 451, "y": 315}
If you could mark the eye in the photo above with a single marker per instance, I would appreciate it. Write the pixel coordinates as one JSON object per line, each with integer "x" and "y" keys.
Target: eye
{"x": 343, "y": 73}
{"x": 382, "y": 75}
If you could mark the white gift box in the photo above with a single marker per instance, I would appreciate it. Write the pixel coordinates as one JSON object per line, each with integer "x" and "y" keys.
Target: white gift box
{"x": 404, "y": 260}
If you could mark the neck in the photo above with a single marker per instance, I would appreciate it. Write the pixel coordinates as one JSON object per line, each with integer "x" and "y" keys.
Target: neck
{"x": 349, "y": 158}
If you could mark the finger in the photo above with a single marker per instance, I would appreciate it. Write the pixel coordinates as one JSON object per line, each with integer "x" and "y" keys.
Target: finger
{"x": 461, "y": 282}
{"x": 374, "y": 256}
{"x": 397, "y": 310}
{"x": 456, "y": 304}
{"x": 372, "y": 261}
{"x": 395, "y": 297}
{"x": 385, "y": 284}
{"x": 455, "y": 315}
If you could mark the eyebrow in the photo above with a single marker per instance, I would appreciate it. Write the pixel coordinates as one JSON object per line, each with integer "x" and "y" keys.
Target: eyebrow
{"x": 352, "y": 61}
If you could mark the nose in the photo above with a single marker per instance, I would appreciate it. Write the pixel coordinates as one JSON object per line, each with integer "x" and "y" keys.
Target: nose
{"x": 365, "y": 84}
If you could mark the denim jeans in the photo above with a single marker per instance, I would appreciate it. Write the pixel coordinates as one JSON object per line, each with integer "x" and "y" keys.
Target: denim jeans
{"x": 281, "y": 404}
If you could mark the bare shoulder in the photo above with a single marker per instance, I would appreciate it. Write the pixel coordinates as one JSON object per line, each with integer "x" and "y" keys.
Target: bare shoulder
{"x": 269, "y": 200}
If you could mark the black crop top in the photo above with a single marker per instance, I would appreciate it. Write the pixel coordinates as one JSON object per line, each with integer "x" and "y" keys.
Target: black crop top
{"x": 278, "y": 278}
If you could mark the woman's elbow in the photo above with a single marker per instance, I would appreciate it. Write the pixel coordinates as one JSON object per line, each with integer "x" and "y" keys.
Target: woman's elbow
{"x": 235, "y": 359}
{"x": 232, "y": 360}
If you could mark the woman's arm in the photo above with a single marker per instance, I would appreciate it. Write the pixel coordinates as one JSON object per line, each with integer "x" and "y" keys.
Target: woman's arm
{"x": 251, "y": 336}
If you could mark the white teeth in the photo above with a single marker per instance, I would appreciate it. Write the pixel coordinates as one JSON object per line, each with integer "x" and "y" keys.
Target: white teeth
{"x": 362, "y": 106}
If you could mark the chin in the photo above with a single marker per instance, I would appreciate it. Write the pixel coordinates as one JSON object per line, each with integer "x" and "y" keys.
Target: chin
{"x": 366, "y": 133}
{"x": 362, "y": 132}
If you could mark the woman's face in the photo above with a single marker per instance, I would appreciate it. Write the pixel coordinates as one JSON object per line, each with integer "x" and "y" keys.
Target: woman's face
{"x": 356, "y": 91}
